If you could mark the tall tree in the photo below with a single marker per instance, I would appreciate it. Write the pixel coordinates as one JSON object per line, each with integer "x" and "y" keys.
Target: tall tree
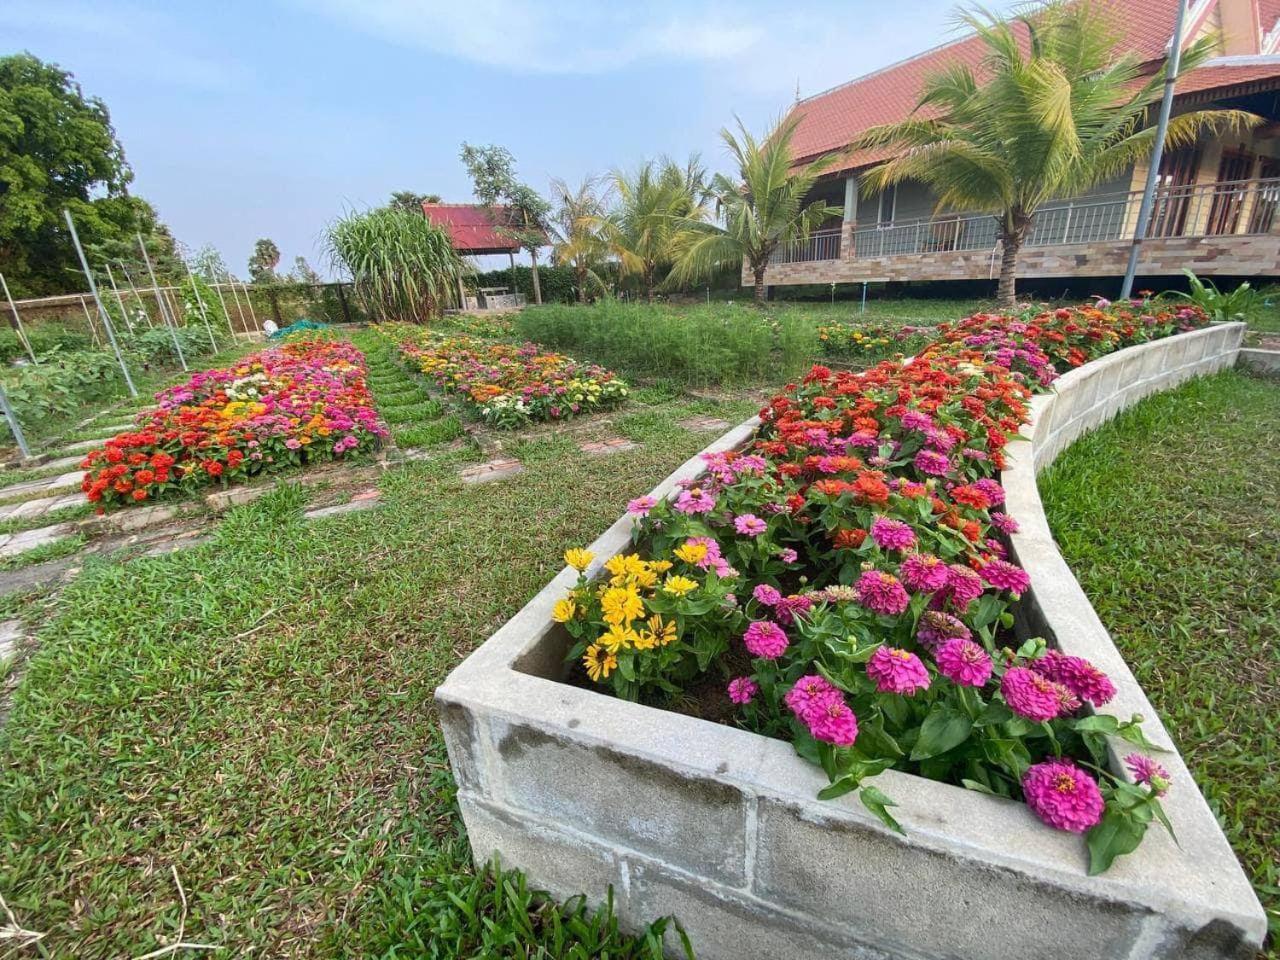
{"x": 208, "y": 262}
{"x": 493, "y": 176}
{"x": 654, "y": 203}
{"x": 576, "y": 241}
{"x": 303, "y": 273}
{"x": 59, "y": 150}
{"x": 263, "y": 261}
{"x": 1054, "y": 108}
{"x": 761, "y": 208}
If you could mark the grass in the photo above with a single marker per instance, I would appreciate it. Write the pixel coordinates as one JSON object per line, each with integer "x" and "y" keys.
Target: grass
{"x": 416, "y": 418}
{"x": 1168, "y": 516}
{"x": 256, "y": 714}
{"x": 61, "y": 515}
{"x": 54, "y": 550}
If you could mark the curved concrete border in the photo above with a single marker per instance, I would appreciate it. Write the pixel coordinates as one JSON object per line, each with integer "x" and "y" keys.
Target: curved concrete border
{"x": 722, "y": 827}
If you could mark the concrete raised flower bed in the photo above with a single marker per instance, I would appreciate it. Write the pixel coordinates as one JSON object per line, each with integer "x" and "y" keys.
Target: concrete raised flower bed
{"x": 721, "y": 827}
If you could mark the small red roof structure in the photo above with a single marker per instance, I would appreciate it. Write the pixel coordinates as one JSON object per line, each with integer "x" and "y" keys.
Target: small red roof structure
{"x": 473, "y": 227}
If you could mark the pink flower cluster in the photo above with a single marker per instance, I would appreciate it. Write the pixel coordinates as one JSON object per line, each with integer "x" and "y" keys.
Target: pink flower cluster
{"x": 1063, "y": 795}
{"x": 821, "y": 707}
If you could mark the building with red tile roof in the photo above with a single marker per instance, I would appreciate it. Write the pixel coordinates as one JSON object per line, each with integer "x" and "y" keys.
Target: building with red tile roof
{"x": 473, "y": 228}
{"x": 1228, "y": 188}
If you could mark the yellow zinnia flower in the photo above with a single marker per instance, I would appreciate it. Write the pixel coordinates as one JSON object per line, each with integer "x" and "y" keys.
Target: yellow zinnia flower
{"x": 660, "y": 566}
{"x": 619, "y": 637}
{"x": 692, "y": 552}
{"x": 621, "y": 605}
{"x": 578, "y": 558}
{"x": 564, "y": 610}
{"x": 679, "y": 586}
{"x": 659, "y": 633}
{"x": 599, "y": 663}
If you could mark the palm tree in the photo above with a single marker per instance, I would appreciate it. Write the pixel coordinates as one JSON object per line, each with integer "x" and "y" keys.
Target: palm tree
{"x": 641, "y": 231}
{"x": 576, "y": 242}
{"x": 762, "y": 210}
{"x": 1052, "y": 110}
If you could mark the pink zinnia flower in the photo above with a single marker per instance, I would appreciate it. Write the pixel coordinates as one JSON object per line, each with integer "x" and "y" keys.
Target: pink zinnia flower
{"x": 1029, "y": 694}
{"x": 767, "y": 595}
{"x": 1063, "y": 795}
{"x": 881, "y": 593}
{"x": 936, "y": 628}
{"x": 1004, "y": 523}
{"x": 897, "y": 671}
{"x": 963, "y": 587}
{"x": 890, "y": 534}
{"x": 964, "y": 662}
{"x": 1147, "y": 771}
{"x": 810, "y": 694}
{"x": 641, "y": 506}
{"x": 835, "y": 723}
{"x": 787, "y": 555}
{"x": 765, "y": 639}
{"x": 749, "y": 525}
{"x": 1004, "y": 575}
{"x": 992, "y": 488}
{"x": 695, "y": 500}
{"x": 1077, "y": 674}
{"x": 932, "y": 463}
{"x": 916, "y": 420}
{"x": 923, "y": 572}
{"x": 743, "y": 690}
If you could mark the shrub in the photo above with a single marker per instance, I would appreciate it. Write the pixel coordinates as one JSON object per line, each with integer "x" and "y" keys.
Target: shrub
{"x": 696, "y": 345}
{"x": 846, "y": 574}
{"x": 43, "y": 338}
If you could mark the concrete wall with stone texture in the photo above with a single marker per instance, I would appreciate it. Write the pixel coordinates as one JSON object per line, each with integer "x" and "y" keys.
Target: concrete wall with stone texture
{"x": 721, "y": 828}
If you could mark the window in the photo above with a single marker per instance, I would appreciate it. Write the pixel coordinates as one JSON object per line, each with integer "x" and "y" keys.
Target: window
{"x": 888, "y": 201}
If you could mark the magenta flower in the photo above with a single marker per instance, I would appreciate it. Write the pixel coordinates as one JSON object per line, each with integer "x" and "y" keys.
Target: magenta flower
{"x": 767, "y": 595}
{"x": 743, "y": 690}
{"x": 1004, "y": 575}
{"x": 916, "y": 420}
{"x": 1029, "y": 694}
{"x": 963, "y": 586}
{"x": 1077, "y": 674}
{"x": 641, "y": 506}
{"x": 749, "y": 525}
{"x": 897, "y": 671}
{"x": 923, "y": 572}
{"x": 932, "y": 463}
{"x": 936, "y": 628}
{"x": 992, "y": 488}
{"x": 892, "y": 534}
{"x": 1147, "y": 771}
{"x": 695, "y": 500}
{"x": 881, "y": 593}
{"x": 1063, "y": 795}
{"x": 765, "y": 639}
{"x": 1004, "y": 523}
{"x": 787, "y": 555}
{"x": 964, "y": 662}
{"x": 809, "y": 695}
{"x": 835, "y": 723}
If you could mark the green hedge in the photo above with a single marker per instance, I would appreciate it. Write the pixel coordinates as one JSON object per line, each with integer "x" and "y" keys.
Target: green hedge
{"x": 695, "y": 345}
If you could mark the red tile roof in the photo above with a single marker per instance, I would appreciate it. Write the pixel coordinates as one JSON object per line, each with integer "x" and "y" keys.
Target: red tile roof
{"x": 1223, "y": 73}
{"x": 472, "y": 227}
{"x": 831, "y": 120}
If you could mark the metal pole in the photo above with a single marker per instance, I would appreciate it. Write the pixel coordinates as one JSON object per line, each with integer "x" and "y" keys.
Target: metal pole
{"x": 204, "y": 314}
{"x": 864, "y": 297}
{"x": 226, "y": 314}
{"x": 155, "y": 287}
{"x": 244, "y": 321}
{"x": 137, "y": 296}
{"x": 22, "y": 334}
{"x": 119, "y": 300}
{"x": 13, "y": 424}
{"x": 1157, "y": 154}
{"x": 249, "y": 300}
{"x": 106, "y": 319}
{"x": 88, "y": 318}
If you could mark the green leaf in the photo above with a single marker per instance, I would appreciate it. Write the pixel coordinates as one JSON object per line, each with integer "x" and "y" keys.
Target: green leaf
{"x": 875, "y": 801}
{"x": 1098, "y": 723}
{"x": 846, "y": 784}
{"x": 1115, "y": 834}
{"x": 944, "y": 728}
{"x": 975, "y": 785}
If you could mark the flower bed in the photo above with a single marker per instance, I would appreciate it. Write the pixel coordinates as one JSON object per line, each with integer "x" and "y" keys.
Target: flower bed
{"x": 508, "y": 385}
{"x": 847, "y": 574}
{"x": 860, "y": 341}
{"x": 297, "y": 403}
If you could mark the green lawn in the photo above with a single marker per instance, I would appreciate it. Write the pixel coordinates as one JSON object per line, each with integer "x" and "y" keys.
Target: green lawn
{"x": 1170, "y": 518}
{"x": 255, "y": 714}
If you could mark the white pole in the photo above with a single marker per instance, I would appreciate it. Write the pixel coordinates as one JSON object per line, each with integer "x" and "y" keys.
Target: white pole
{"x": 137, "y": 296}
{"x": 14, "y": 425}
{"x": 164, "y": 310}
{"x": 226, "y": 314}
{"x": 106, "y": 318}
{"x": 204, "y": 314}
{"x": 244, "y": 321}
{"x": 119, "y": 300}
{"x": 93, "y": 329}
{"x": 252, "y": 312}
{"x": 22, "y": 334}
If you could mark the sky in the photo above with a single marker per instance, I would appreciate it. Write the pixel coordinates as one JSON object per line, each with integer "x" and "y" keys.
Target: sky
{"x": 271, "y": 118}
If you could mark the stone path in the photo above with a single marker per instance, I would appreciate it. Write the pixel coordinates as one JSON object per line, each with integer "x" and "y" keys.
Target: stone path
{"x": 45, "y": 486}
{"x": 11, "y": 634}
{"x": 705, "y": 423}
{"x": 364, "y": 500}
{"x": 491, "y": 470}
{"x": 39, "y": 506}
{"x": 609, "y": 445}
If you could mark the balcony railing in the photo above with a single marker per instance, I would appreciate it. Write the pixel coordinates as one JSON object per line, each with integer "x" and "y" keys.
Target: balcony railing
{"x": 1230, "y": 208}
{"x": 820, "y": 245}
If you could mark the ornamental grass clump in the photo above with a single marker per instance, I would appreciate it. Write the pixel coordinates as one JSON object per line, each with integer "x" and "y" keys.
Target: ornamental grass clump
{"x": 853, "y": 555}
{"x": 508, "y": 385}
{"x": 302, "y": 402}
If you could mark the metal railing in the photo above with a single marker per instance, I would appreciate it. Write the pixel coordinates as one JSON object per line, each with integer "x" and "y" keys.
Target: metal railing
{"x": 820, "y": 245}
{"x": 1237, "y": 207}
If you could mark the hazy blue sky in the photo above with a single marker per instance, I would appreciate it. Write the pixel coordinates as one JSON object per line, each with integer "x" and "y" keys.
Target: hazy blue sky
{"x": 246, "y": 119}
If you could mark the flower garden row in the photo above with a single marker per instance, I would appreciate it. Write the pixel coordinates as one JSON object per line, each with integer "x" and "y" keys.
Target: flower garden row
{"x": 846, "y": 575}
{"x": 508, "y": 385}
{"x": 301, "y": 402}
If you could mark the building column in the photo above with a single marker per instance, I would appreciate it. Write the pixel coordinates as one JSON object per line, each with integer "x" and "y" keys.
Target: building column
{"x": 850, "y": 216}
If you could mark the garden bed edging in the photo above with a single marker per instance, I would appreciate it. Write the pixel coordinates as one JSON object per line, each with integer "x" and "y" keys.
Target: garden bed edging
{"x": 721, "y": 827}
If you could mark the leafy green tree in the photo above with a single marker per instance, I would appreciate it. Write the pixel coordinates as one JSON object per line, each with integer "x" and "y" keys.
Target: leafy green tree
{"x": 402, "y": 265}
{"x": 303, "y": 273}
{"x": 761, "y": 208}
{"x": 408, "y": 200}
{"x": 654, "y": 203}
{"x": 263, "y": 261}
{"x": 1055, "y": 108}
{"x": 576, "y": 241}
{"x": 493, "y": 177}
{"x": 209, "y": 264}
{"x": 59, "y": 150}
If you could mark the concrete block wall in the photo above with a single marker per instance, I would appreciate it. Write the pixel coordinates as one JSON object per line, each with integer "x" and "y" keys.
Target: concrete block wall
{"x": 721, "y": 827}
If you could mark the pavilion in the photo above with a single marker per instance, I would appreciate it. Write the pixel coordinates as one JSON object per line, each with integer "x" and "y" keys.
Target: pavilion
{"x": 474, "y": 230}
